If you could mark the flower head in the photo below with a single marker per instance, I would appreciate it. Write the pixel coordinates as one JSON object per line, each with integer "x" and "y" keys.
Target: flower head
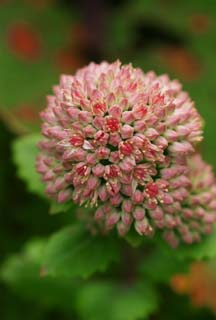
{"x": 118, "y": 139}
{"x": 196, "y": 214}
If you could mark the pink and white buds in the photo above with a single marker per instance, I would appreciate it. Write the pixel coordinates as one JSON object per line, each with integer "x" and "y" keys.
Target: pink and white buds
{"x": 122, "y": 140}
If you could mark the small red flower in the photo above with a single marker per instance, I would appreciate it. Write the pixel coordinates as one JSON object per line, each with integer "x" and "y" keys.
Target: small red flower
{"x": 76, "y": 140}
{"x": 112, "y": 124}
{"x": 152, "y": 190}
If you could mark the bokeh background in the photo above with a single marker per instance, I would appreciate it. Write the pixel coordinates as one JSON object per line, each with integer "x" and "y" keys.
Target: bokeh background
{"x": 41, "y": 39}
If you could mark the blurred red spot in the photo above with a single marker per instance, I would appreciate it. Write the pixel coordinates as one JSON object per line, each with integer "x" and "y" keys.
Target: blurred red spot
{"x": 80, "y": 35}
{"x": 24, "y": 41}
{"x": 183, "y": 63}
{"x": 199, "y": 283}
{"x": 66, "y": 60}
{"x": 39, "y": 4}
{"x": 180, "y": 283}
{"x": 199, "y": 23}
{"x": 27, "y": 112}
{"x": 3, "y": 1}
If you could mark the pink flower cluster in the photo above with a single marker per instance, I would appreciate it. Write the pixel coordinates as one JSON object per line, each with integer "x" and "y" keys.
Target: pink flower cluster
{"x": 122, "y": 141}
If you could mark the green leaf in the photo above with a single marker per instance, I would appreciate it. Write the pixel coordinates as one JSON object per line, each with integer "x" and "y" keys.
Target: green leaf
{"x": 160, "y": 266}
{"x": 21, "y": 272}
{"x": 109, "y": 301}
{"x": 24, "y": 153}
{"x": 61, "y": 207}
{"x": 134, "y": 239}
{"x": 75, "y": 252}
{"x": 205, "y": 249}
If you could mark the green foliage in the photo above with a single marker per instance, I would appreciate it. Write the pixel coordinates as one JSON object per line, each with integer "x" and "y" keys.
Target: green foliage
{"x": 24, "y": 153}
{"x": 160, "y": 266}
{"x": 27, "y": 81}
{"x": 22, "y": 273}
{"x": 205, "y": 249}
{"x": 110, "y": 301}
{"x": 74, "y": 252}
{"x": 90, "y": 300}
{"x": 133, "y": 238}
{"x": 61, "y": 207}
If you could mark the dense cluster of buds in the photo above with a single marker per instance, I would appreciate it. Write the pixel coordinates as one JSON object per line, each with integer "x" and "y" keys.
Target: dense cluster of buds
{"x": 196, "y": 211}
{"x": 122, "y": 141}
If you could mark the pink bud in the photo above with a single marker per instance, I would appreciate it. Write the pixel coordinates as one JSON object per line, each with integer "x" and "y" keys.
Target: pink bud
{"x": 73, "y": 112}
{"x": 127, "y": 164}
{"x": 92, "y": 182}
{"x": 102, "y": 193}
{"x": 64, "y": 195}
{"x": 139, "y": 111}
{"x": 98, "y": 170}
{"x": 171, "y": 238}
{"x": 181, "y": 148}
{"x": 113, "y": 187}
{"x": 98, "y": 122}
{"x": 157, "y": 213}
{"x": 127, "y": 131}
{"x": 99, "y": 108}
{"x": 137, "y": 197}
{"x": 126, "y": 218}
{"x": 49, "y": 175}
{"x": 112, "y": 219}
{"x": 127, "y": 206}
{"x": 101, "y": 137}
{"x": 140, "y": 125}
{"x": 89, "y": 131}
{"x": 171, "y": 135}
{"x": 139, "y": 213}
{"x": 151, "y": 133}
{"x": 115, "y": 112}
{"x": 122, "y": 229}
{"x": 143, "y": 227}
{"x": 127, "y": 117}
{"x": 99, "y": 214}
{"x": 116, "y": 200}
{"x": 114, "y": 139}
{"x": 59, "y": 183}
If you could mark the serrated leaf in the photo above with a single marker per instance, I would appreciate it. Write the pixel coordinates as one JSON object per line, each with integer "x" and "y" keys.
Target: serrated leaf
{"x": 75, "y": 252}
{"x": 110, "y": 301}
{"x": 24, "y": 153}
{"x": 21, "y": 272}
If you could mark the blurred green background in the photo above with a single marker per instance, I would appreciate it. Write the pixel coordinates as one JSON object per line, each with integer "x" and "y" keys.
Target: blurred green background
{"x": 41, "y": 39}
